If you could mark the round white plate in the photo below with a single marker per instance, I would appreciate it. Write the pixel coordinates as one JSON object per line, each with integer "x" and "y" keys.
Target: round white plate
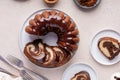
{"x": 75, "y": 68}
{"x": 117, "y": 74}
{"x": 95, "y": 52}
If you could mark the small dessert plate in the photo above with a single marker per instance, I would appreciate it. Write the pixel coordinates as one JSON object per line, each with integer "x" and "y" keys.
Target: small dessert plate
{"x": 96, "y": 53}
{"x": 115, "y": 76}
{"x": 75, "y": 68}
{"x": 85, "y": 7}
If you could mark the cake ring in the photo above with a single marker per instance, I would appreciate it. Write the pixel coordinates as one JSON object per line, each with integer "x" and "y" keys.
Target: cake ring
{"x": 43, "y": 54}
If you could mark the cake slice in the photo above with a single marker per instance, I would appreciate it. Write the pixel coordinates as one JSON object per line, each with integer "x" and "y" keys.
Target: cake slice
{"x": 109, "y": 47}
{"x": 83, "y": 75}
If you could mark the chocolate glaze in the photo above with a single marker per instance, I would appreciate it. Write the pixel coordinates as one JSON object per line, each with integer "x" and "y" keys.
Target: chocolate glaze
{"x": 117, "y": 78}
{"x": 87, "y": 3}
{"x": 84, "y": 1}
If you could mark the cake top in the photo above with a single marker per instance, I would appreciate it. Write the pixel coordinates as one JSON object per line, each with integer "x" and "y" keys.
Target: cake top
{"x": 83, "y": 75}
{"x": 87, "y": 3}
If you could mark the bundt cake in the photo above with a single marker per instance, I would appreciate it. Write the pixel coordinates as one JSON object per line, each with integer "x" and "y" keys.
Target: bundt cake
{"x": 83, "y": 75}
{"x": 43, "y": 54}
{"x": 109, "y": 47}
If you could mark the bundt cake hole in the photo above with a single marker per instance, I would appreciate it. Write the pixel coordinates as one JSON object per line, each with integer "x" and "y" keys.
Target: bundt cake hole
{"x": 50, "y": 39}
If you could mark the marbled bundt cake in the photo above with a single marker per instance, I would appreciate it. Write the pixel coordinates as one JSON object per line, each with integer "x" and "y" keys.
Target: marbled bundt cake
{"x": 52, "y": 56}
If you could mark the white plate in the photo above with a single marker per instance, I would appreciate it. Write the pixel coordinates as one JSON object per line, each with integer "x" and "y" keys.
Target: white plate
{"x": 75, "y": 68}
{"x": 95, "y": 52}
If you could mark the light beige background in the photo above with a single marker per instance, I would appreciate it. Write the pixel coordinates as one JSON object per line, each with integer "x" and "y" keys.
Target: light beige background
{"x": 14, "y": 13}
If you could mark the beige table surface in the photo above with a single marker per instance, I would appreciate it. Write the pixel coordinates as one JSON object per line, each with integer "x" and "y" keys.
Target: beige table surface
{"x": 13, "y": 14}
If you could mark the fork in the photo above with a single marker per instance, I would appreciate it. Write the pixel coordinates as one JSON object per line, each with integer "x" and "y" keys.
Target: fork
{"x": 25, "y": 75}
{"x": 22, "y": 73}
{"x": 19, "y": 63}
{"x": 7, "y": 72}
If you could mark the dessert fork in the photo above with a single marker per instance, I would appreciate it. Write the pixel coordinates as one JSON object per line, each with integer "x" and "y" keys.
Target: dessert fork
{"x": 22, "y": 73}
{"x": 7, "y": 72}
{"x": 19, "y": 63}
{"x": 25, "y": 75}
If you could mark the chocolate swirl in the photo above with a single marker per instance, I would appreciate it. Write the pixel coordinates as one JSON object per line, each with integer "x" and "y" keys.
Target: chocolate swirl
{"x": 110, "y": 47}
{"x": 87, "y": 3}
{"x": 44, "y": 55}
{"x": 83, "y": 75}
{"x": 117, "y": 78}
{"x": 41, "y": 53}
